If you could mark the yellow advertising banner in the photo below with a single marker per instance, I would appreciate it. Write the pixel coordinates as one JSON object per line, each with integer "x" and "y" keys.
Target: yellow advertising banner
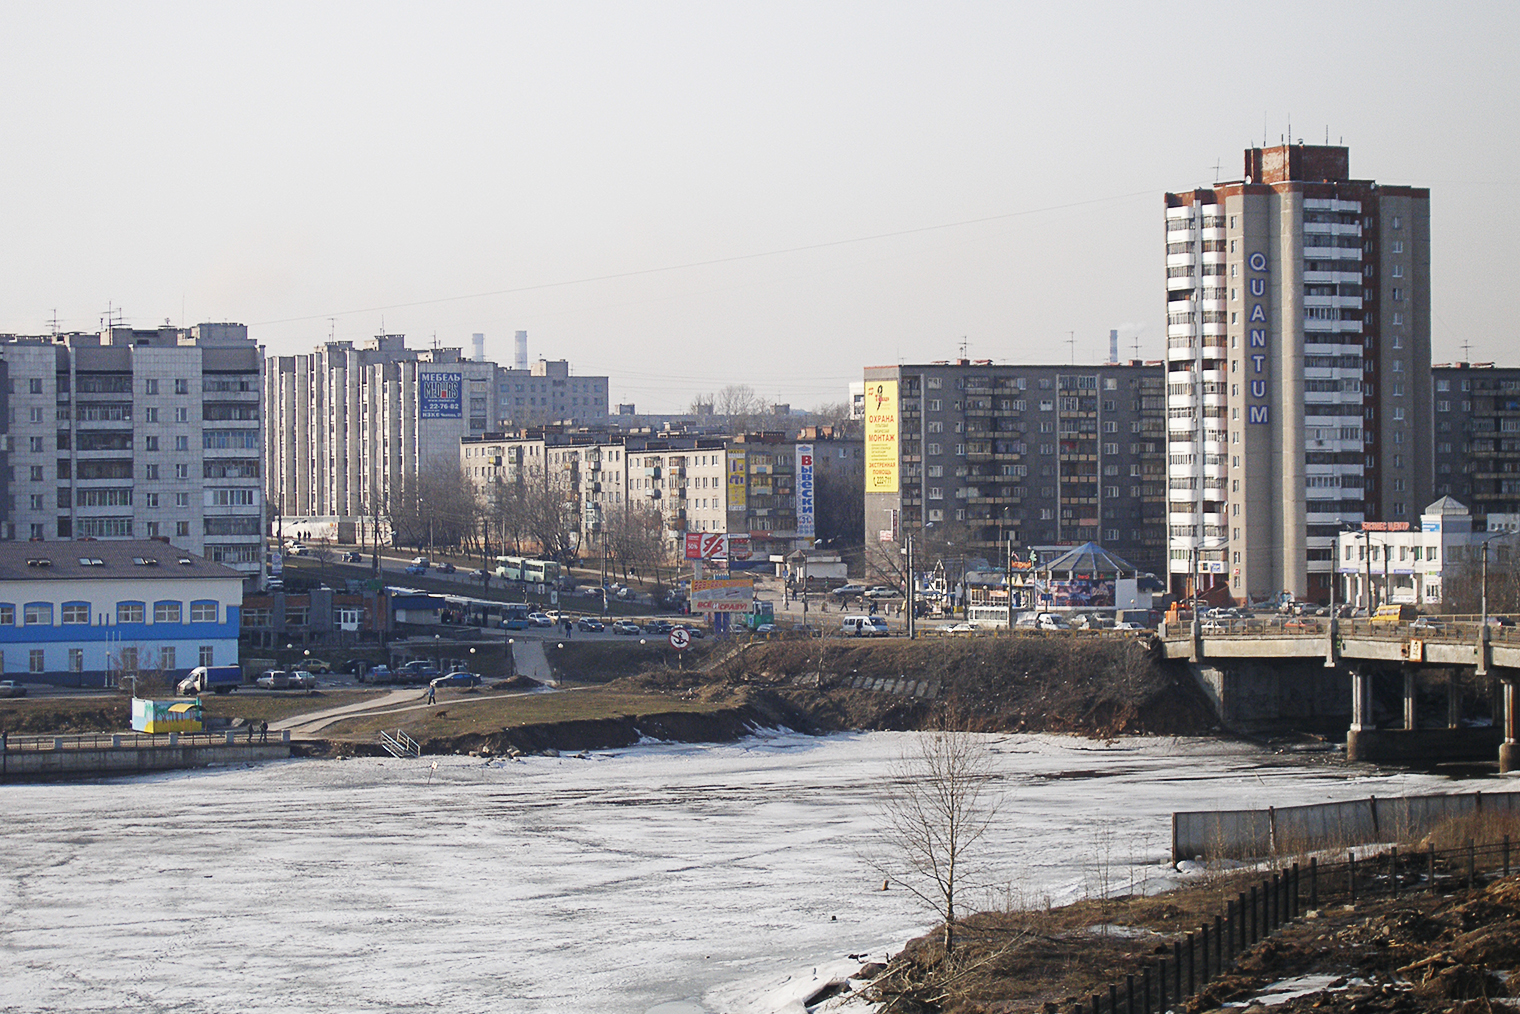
{"x": 881, "y": 437}
{"x": 738, "y": 499}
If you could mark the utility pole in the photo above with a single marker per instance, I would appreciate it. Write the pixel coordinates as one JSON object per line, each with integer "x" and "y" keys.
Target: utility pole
{"x": 1008, "y": 580}
{"x": 912, "y": 592}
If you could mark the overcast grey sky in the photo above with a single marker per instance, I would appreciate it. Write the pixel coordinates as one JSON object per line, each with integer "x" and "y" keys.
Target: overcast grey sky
{"x": 576, "y": 169}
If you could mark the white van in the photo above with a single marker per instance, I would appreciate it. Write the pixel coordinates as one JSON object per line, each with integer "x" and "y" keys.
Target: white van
{"x": 864, "y": 626}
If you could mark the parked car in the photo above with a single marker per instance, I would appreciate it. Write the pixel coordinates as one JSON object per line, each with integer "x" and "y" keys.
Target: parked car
{"x": 848, "y": 591}
{"x": 960, "y": 628}
{"x": 355, "y": 666}
{"x": 300, "y": 679}
{"x": 697, "y": 633}
{"x": 658, "y": 627}
{"x": 1427, "y": 625}
{"x": 882, "y": 591}
{"x": 10, "y": 688}
{"x": 316, "y": 665}
{"x": 353, "y": 556}
{"x": 446, "y": 568}
{"x": 417, "y": 671}
{"x": 456, "y": 679}
{"x": 625, "y": 627}
{"x": 421, "y": 561}
{"x": 378, "y": 674}
{"x": 416, "y": 568}
{"x": 864, "y": 626}
{"x": 590, "y": 624}
{"x": 540, "y": 620}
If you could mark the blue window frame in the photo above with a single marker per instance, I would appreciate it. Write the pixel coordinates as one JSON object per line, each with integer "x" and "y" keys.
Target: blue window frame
{"x": 38, "y": 614}
{"x": 168, "y": 612}
{"x": 7, "y": 614}
{"x": 131, "y": 612}
{"x": 76, "y": 613}
{"x": 204, "y": 611}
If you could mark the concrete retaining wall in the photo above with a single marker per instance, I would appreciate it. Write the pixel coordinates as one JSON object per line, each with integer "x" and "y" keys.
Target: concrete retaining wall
{"x": 1416, "y": 746}
{"x": 39, "y": 765}
{"x": 1215, "y": 834}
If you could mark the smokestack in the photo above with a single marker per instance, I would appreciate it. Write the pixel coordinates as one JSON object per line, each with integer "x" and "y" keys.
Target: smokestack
{"x": 1113, "y": 346}
{"x": 520, "y": 360}
{"x": 479, "y": 341}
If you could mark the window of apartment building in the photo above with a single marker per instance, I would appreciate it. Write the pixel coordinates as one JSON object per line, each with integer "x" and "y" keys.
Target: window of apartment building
{"x": 935, "y": 449}
{"x": 181, "y": 443}
{"x": 166, "y": 612}
{"x": 936, "y": 426}
{"x": 1111, "y": 492}
{"x": 1047, "y": 404}
{"x": 1110, "y": 448}
{"x": 936, "y": 493}
{"x": 76, "y": 660}
{"x": 36, "y": 473}
{"x": 182, "y": 499}
{"x": 207, "y": 655}
{"x": 34, "y": 385}
{"x": 166, "y": 658}
{"x": 37, "y": 660}
{"x": 182, "y": 471}
{"x": 150, "y": 472}
{"x": 935, "y": 471}
{"x": 181, "y": 415}
{"x": 935, "y": 405}
{"x": 936, "y": 515}
{"x": 129, "y": 612}
{"x": 36, "y": 415}
{"x": 1109, "y": 535}
{"x": 960, "y": 450}
{"x": 76, "y": 612}
{"x": 150, "y": 443}
{"x": 203, "y": 612}
{"x": 1110, "y": 427}
{"x": 181, "y": 386}
{"x": 38, "y": 614}
{"x": 150, "y": 386}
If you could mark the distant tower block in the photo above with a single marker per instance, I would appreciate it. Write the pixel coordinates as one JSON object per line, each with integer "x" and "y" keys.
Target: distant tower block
{"x": 479, "y": 341}
{"x": 520, "y": 360}
{"x": 1113, "y": 346}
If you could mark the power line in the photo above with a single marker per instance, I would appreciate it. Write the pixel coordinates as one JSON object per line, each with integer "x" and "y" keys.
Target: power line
{"x": 709, "y": 263}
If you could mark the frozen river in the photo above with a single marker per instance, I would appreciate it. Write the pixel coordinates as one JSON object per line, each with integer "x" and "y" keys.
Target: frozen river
{"x": 689, "y": 879}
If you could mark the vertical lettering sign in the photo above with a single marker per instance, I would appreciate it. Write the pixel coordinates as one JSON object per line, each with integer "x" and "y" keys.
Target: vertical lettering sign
{"x": 1256, "y": 376}
{"x": 881, "y": 437}
{"x": 738, "y": 488}
{"x": 805, "y": 490}
{"x": 439, "y": 395}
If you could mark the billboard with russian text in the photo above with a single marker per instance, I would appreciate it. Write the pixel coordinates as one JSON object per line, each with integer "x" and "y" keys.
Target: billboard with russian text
{"x": 722, "y": 595}
{"x": 805, "y": 490}
{"x": 881, "y": 437}
{"x": 440, "y": 395}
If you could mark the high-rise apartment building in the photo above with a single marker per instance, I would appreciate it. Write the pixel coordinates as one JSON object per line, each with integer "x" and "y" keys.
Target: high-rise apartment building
{"x": 1477, "y": 437}
{"x": 136, "y": 433}
{"x": 1035, "y": 455}
{"x": 1298, "y": 352}
{"x": 351, "y": 425}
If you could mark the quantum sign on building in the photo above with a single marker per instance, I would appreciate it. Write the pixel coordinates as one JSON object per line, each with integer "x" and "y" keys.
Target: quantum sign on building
{"x": 440, "y": 395}
{"x": 805, "y": 490}
{"x": 881, "y": 437}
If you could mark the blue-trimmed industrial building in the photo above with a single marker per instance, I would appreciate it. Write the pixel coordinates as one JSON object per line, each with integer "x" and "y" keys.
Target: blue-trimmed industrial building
{"x": 89, "y": 614}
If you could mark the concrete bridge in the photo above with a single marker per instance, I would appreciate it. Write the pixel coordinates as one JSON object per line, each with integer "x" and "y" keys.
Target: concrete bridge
{"x": 1352, "y": 653}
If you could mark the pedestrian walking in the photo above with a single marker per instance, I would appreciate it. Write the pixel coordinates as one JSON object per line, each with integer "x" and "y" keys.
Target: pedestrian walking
{"x": 263, "y": 732}
{"x": 432, "y": 694}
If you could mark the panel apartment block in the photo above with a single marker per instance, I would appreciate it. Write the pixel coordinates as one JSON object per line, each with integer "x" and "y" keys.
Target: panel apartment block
{"x": 1477, "y": 437}
{"x": 1298, "y": 346}
{"x": 1035, "y": 455}
{"x": 133, "y": 434}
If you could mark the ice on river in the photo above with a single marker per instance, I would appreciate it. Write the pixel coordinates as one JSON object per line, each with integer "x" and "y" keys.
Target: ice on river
{"x": 694, "y": 878}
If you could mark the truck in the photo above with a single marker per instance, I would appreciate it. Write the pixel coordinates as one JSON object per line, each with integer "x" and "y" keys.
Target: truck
{"x": 218, "y": 679}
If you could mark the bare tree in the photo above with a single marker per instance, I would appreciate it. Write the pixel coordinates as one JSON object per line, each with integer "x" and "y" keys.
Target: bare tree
{"x": 636, "y": 539}
{"x": 935, "y": 813}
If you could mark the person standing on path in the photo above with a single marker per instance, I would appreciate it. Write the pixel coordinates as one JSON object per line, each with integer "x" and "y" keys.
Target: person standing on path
{"x": 432, "y": 694}
{"x": 263, "y": 732}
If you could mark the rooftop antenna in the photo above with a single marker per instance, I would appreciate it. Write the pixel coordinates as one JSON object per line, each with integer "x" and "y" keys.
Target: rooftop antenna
{"x": 1136, "y": 344}
{"x": 1216, "y": 170}
{"x": 964, "y": 348}
{"x": 55, "y": 322}
{"x": 1467, "y": 351}
{"x": 1327, "y": 135}
{"x": 332, "y": 329}
{"x": 1071, "y": 339}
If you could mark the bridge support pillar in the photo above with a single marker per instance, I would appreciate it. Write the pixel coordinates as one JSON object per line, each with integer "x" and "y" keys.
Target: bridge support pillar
{"x": 1453, "y": 699}
{"x": 1361, "y": 699}
{"x": 1411, "y": 698}
{"x": 1509, "y": 750}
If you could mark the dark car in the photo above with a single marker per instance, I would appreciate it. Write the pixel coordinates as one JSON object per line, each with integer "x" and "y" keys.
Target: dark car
{"x": 590, "y": 624}
{"x": 658, "y": 627}
{"x": 456, "y": 679}
{"x": 353, "y": 556}
{"x": 697, "y": 633}
{"x": 417, "y": 671}
{"x": 355, "y": 666}
{"x": 446, "y": 568}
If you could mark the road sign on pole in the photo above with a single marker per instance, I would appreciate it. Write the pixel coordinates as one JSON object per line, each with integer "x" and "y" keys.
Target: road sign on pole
{"x": 680, "y": 639}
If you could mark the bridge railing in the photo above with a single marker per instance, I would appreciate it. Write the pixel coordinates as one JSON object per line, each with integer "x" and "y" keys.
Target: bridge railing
{"x": 1431, "y": 628}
